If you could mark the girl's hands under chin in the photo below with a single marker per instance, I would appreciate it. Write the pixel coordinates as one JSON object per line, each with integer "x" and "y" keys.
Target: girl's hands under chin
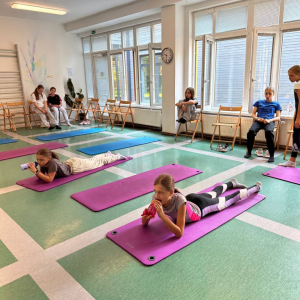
{"x": 32, "y": 167}
{"x": 158, "y": 207}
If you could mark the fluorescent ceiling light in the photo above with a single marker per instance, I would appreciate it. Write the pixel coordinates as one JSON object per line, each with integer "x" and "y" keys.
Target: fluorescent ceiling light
{"x": 38, "y": 8}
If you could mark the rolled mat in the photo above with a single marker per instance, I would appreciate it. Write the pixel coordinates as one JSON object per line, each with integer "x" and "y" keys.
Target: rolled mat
{"x": 68, "y": 134}
{"x": 29, "y": 150}
{"x": 154, "y": 242}
{"x": 93, "y": 150}
{"x": 39, "y": 185}
{"x": 285, "y": 173}
{"x": 7, "y": 141}
{"x": 120, "y": 191}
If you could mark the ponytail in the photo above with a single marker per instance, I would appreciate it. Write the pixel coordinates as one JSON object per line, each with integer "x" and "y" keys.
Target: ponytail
{"x": 36, "y": 93}
{"x": 47, "y": 153}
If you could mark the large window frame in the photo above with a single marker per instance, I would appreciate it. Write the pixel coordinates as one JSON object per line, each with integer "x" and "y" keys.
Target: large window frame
{"x": 252, "y": 33}
{"x": 109, "y": 52}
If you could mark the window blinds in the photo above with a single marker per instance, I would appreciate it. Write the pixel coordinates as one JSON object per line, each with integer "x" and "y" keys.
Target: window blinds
{"x": 115, "y": 41}
{"x": 289, "y": 57}
{"x": 99, "y": 43}
{"x": 291, "y": 11}
{"x": 230, "y": 72}
{"x": 232, "y": 19}
{"x": 144, "y": 35}
{"x": 203, "y": 24}
{"x": 128, "y": 38}
{"x": 89, "y": 76}
{"x": 86, "y": 45}
{"x": 157, "y": 33}
{"x": 266, "y": 13}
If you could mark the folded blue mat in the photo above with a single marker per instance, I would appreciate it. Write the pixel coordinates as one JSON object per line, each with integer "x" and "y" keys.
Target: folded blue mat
{"x": 117, "y": 145}
{"x": 68, "y": 134}
{"x": 7, "y": 141}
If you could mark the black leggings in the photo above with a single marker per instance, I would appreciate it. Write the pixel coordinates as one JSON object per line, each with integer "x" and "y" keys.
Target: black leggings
{"x": 210, "y": 202}
{"x": 296, "y": 142}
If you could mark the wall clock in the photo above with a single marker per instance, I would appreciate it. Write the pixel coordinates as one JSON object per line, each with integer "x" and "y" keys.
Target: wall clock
{"x": 167, "y": 55}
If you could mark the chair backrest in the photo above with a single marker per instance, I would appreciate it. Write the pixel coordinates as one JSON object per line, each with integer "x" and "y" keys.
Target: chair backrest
{"x": 94, "y": 104}
{"x": 3, "y": 109}
{"x": 230, "y": 109}
{"x": 79, "y": 100}
{"x": 110, "y": 106}
{"x": 13, "y": 104}
{"x": 16, "y": 108}
{"x": 125, "y": 105}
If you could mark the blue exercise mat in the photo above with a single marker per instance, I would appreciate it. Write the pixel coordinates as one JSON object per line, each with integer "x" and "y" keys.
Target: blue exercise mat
{"x": 68, "y": 134}
{"x": 93, "y": 150}
{"x": 7, "y": 141}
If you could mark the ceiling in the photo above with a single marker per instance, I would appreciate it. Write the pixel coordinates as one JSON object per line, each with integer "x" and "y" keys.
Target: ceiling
{"x": 76, "y": 9}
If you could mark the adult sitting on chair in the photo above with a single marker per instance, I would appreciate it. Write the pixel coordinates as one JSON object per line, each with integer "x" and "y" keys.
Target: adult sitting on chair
{"x": 55, "y": 104}
{"x": 41, "y": 108}
{"x": 264, "y": 119}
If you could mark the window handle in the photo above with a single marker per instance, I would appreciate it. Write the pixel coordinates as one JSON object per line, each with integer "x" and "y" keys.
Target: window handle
{"x": 257, "y": 80}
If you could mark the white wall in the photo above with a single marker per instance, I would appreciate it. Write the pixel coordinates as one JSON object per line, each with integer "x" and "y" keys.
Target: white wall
{"x": 55, "y": 51}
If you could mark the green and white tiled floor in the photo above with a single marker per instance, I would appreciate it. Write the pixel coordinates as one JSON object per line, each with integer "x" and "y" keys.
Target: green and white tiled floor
{"x": 53, "y": 247}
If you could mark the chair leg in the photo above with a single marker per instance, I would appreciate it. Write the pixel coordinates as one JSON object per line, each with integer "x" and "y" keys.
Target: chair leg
{"x": 287, "y": 145}
{"x": 124, "y": 121}
{"x": 29, "y": 121}
{"x": 178, "y": 130}
{"x": 213, "y": 136}
{"x": 196, "y": 126}
{"x": 233, "y": 142}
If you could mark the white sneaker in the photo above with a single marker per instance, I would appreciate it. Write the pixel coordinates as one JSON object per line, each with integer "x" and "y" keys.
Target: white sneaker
{"x": 267, "y": 154}
{"x": 69, "y": 124}
{"x": 121, "y": 157}
{"x": 288, "y": 163}
{"x": 259, "y": 184}
{"x": 82, "y": 123}
{"x": 220, "y": 148}
{"x": 259, "y": 152}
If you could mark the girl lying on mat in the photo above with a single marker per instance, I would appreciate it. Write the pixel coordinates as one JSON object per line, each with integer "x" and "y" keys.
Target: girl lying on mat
{"x": 169, "y": 201}
{"x": 51, "y": 167}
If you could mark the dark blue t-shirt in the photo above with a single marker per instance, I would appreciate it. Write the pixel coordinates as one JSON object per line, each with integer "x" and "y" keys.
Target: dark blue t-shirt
{"x": 265, "y": 109}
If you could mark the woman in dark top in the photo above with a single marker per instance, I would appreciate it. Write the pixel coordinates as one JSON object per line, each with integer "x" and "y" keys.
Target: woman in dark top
{"x": 55, "y": 104}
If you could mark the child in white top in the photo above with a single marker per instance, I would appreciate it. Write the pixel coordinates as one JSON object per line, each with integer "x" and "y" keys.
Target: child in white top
{"x": 51, "y": 167}
{"x": 39, "y": 100}
{"x": 186, "y": 108}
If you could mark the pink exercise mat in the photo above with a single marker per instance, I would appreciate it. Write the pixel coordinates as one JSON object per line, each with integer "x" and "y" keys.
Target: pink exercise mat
{"x": 39, "y": 185}
{"x": 29, "y": 150}
{"x": 285, "y": 173}
{"x": 120, "y": 191}
{"x": 154, "y": 242}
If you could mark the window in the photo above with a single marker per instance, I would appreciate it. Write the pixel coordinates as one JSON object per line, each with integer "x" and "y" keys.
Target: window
{"x": 115, "y": 41}
{"x": 86, "y": 45}
{"x": 291, "y": 11}
{"x": 158, "y": 77}
{"x": 289, "y": 57}
{"x": 262, "y": 77}
{"x": 89, "y": 76}
{"x": 203, "y": 24}
{"x": 157, "y": 33}
{"x": 230, "y": 72}
{"x": 102, "y": 79}
{"x": 118, "y": 76}
{"x": 129, "y": 70}
{"x": 232, "y": 19}
{"x": 144, "y": 77}
{"x": 144, "y": 35}
{"x": 198, "y": 81}
{"x": 118, "y": 64}
{"x": 266, "y": 13}
{"x": 99, "y": 43}
{"x": 128, "y": 38}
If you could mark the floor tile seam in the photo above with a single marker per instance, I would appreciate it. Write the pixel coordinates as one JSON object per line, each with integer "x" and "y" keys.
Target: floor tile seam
{"x": 24, "y": 139}
{"x": 91, "y": 141}
{"x": 10, "y": 189}
{"x": 270, "y": 225}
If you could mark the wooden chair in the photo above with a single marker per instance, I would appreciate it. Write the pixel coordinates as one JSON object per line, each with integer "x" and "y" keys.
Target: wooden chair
{"x": 109, "y": 107}
{"x": 94, "y": 106}
{"x": 196, "y": 121}
{"x": 78, "y": 107}
{"x": 220, "y": 124}
{"x": 15, "y": 109}
{"x": 5, "y": 116}
{"x": 290, "y": 133}
{"x": 276, "y": 140}
{"x": 31, "y": 112}
{"x": 124, "y": 109}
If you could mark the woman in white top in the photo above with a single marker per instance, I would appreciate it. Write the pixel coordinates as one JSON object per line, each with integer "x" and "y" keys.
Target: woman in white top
{"x": 39, "y": 100}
